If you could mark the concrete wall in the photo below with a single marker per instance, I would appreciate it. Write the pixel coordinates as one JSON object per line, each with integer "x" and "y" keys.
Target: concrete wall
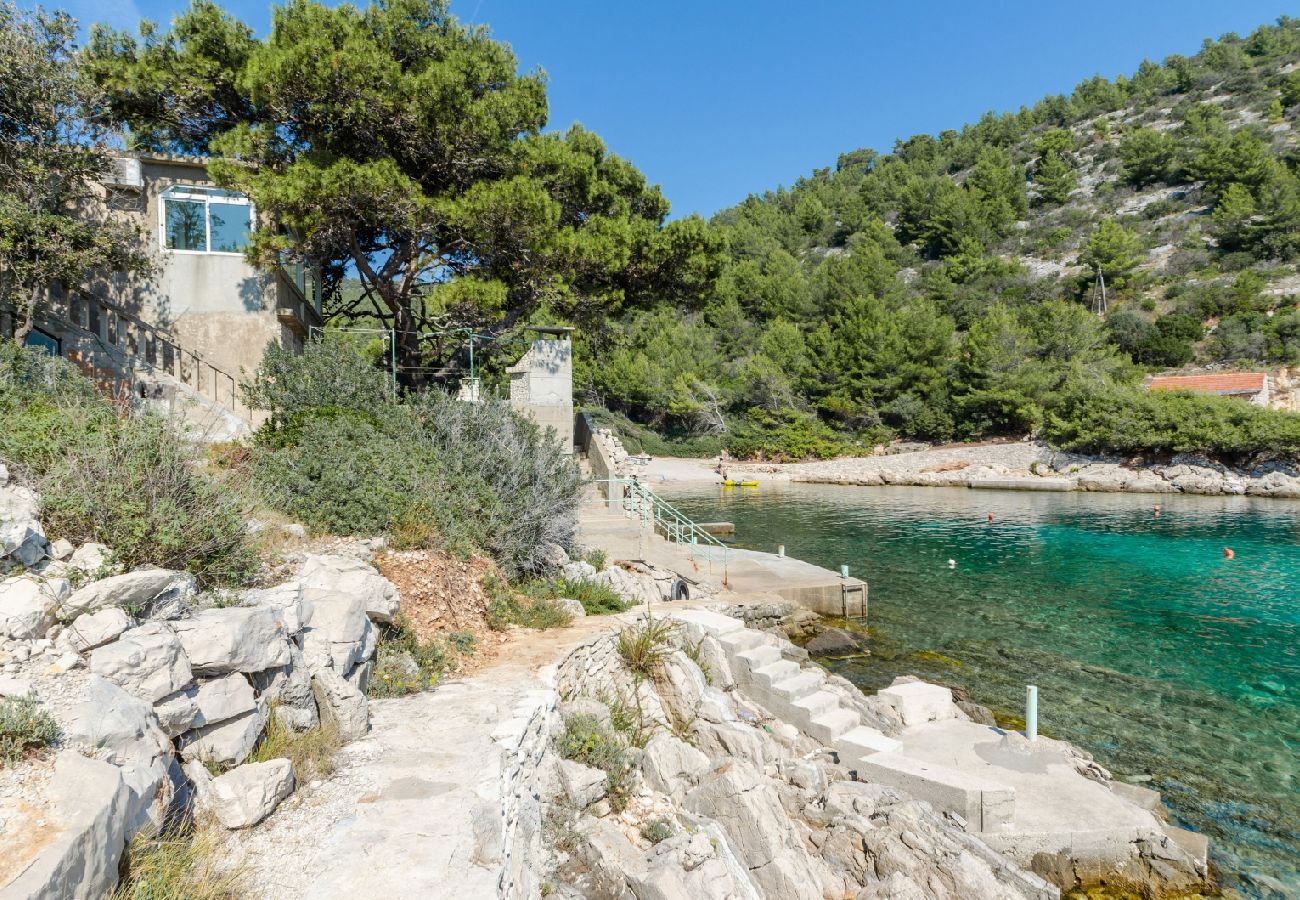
{"x": 541, "y": 385}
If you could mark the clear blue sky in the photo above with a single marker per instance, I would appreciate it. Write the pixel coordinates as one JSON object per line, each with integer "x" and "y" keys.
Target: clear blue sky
{"x": 715, "y": 99}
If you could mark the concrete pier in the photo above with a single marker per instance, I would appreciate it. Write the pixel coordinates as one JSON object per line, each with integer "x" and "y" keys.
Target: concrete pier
{"x": 746, "y": 572}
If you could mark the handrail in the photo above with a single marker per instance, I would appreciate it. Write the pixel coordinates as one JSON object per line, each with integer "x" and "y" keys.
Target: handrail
{"x": 153, "y": 354}
{"x": 675, "y": 525}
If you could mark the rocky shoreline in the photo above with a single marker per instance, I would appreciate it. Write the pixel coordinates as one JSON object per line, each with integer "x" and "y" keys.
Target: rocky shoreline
{"x": 1027, "y": 465}
{"x": 723, "y": 795}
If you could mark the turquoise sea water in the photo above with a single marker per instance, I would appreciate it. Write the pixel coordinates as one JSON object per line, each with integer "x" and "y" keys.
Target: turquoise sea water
{"x": 1174, "y": 666}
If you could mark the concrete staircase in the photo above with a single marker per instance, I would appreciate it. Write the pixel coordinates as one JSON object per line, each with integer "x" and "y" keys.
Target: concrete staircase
{"x": 799, "y": 695}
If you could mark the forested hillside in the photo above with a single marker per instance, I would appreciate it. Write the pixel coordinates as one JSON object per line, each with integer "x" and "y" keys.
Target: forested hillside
{"x": 952, "y": 289}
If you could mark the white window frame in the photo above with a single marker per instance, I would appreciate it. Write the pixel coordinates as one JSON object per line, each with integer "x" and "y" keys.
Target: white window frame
{"x": 195, "y": 193}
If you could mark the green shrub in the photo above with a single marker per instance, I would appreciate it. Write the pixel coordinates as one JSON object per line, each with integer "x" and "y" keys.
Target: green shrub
{"x": 586, "y": 740}
{"x": 1130, "y": 420}
{"x": 644, "y": 647}
{"x": 24, "y": 727}
{"x": 787, "y": 435}
{"x": 336, "y": 372}
{"x": 130, "y": 482}
{"x": 427, "y": 471}
{"x": 597, "y": 598}
{"x": 657, "y": 830}
{"x": 506, "y": 608}
{"x": 404, "y": 664}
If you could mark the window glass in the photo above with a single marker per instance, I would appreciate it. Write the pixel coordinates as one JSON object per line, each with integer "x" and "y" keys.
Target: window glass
{"x": 186, "y": 229}
{"x": 230, "y": 226}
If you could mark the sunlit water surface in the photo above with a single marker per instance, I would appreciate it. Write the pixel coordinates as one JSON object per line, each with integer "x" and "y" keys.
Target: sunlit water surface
{"x": 1174, "y": 666}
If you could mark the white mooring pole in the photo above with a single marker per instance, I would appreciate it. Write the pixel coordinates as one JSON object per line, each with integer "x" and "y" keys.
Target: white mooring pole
{"x": 1031, "y": 712}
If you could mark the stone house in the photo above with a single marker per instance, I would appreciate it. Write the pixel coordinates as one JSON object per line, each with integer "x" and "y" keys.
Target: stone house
{"x": 187, "y": 334}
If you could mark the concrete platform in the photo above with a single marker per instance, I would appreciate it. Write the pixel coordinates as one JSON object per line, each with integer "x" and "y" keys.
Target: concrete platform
{"x": 1055, "y": 808}
{"x": 746, "y": 572}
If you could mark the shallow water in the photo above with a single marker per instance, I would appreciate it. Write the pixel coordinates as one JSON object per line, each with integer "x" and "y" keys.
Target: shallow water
{"x": 1174, "y": 666}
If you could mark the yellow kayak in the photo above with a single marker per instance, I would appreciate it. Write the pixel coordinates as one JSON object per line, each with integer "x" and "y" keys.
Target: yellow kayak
{"x": 730, "y": 483}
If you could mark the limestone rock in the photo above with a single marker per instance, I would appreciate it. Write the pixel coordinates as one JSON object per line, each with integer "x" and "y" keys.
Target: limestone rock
{"x": 234, "y": 639}
{"x": 672, "y": 766}
{"x": 549, "y": 557}
{"x": 96, "y": 560}
{"x": 578, "y": 570}
{"x": 747, "y": 807}
{"x": 15, "y": 687}
{"x": 122, "y": 730}
{"x": 61, "y": 549}
{"x": 338, "y": 633}
{"x": 148, "y": 661}
{"x": 22, "y": 539}
{"x": 245, "y": 796}
{"x": 91, "y": 630}
{"x": 286, "y": 601}
{"x": 223, "y": 698}
{"x": 28, "y": 605}
{"x": 574, "y": 608}
{"x": 226, "y": 743}
{"x": 834, "y": 642}
{"x": 89, "y": 804}
{"x": 344, "y": 703}
{"x": 681, "y": 687}
{"x": 344, "y": 575}
{"x": 144, "y": 592}
{"x": 288, "y": 689}
{"x": 583, "y": 785}
{"x": 178, "y": 711}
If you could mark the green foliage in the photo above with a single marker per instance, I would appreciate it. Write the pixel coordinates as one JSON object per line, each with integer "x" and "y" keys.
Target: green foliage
{"x": 427, "y": 470}
{"x": 1054, "y": 178}
{"x": 404, "y": 664}
{"x": 597, "y": 598}
{"x": 129, "y": 482}
{"x": 657, "y": 830}
{"x": 1112, "y": 249}
{"x": 24, "y": 727}
{"x": 1130, "y": 420}
{"x": 52, "y": 157}
{"x": 505, "y": 608}
{"x": 1147, "y": 155}
{"x": 644, "y": 647}
{"x": 335, "y": 372}
{"x": 416, "y": 139}
{"x": 586, "y": 740}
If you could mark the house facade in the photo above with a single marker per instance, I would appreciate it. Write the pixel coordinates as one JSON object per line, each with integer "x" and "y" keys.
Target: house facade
{"x": 199, "y": 323}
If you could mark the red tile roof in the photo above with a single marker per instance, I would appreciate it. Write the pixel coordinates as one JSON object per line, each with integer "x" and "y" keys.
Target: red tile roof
{"x": 1236, "y": 383}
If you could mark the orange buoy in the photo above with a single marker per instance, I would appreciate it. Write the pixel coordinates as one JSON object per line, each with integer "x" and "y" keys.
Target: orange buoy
{"x": 1228, "y": 554}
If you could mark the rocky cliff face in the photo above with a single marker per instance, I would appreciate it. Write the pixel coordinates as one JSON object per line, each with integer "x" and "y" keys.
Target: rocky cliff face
{"x": 161, "y": 694}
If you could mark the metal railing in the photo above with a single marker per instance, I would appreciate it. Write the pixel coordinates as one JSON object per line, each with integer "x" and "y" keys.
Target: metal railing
{"x": 140, "y": 348}
{"x": 665, "y": 519}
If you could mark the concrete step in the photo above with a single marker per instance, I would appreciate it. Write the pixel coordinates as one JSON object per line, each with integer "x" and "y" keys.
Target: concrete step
{"x": 808, "y": 709}
{"x": 858, "y": 743}
{"x": 742, "y": 640}
{"x": 758, "y": 657}
{"x": 799, "y": 686}
{"x": 772, "y": 673}
{"x": 828, "y": 726}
